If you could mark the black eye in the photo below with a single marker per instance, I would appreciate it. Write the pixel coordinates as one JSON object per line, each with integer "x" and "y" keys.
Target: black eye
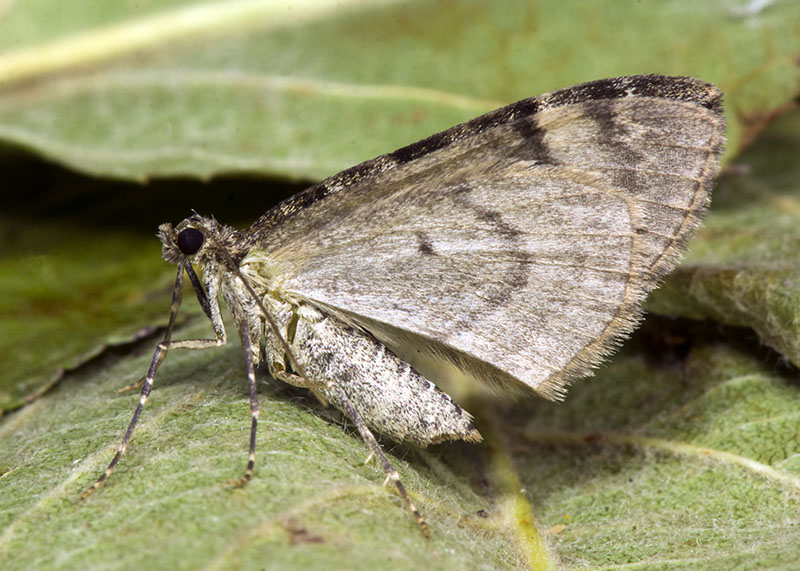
{"x": 190, "y": 241}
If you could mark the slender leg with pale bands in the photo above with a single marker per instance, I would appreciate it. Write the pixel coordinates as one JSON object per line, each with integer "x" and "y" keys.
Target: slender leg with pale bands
{"x": 376, "y": 451}
{"x": 255, "y": 409}
{"x": 158, "y": 357}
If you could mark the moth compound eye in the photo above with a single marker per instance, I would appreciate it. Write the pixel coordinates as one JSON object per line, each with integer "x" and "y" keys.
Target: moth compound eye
{"x": 190, "y": 241}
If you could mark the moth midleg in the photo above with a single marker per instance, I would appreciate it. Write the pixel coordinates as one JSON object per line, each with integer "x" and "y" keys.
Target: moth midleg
{"x": 147, "y": 383}
{"x": 377, "y": 452}
{"x": 255, "y": 409}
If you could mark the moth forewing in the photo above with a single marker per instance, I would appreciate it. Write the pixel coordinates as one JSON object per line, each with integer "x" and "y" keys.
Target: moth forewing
{"x": 518, "y": 246}
{"x": 560, "y": 214}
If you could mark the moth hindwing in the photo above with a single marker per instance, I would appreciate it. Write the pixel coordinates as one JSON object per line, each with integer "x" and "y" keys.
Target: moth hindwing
{"x": 518, "y": 246}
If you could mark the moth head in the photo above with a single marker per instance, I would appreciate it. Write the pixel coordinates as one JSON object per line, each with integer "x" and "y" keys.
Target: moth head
{"x": 186, "y": 239}
{"x": 200, "y": 239}
{"x": 178, "y": 246}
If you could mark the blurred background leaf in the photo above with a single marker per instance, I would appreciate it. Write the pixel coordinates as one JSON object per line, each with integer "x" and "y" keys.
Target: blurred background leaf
{"x": 744, "y": 266}
{"x": 304, "y": 89}
{"x": 651, "y": 463}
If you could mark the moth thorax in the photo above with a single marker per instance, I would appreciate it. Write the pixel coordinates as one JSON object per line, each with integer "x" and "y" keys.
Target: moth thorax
{"x": 263, "y": 274}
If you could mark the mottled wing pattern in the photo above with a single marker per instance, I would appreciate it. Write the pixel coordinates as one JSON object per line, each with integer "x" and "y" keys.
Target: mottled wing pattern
{"x": 519, "y": 245}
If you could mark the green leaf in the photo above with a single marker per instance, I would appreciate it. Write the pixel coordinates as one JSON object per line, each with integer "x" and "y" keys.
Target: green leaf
{"x": 313, "y": 497}
{"x": 67, "y": 296}
{"x": 683, "y": 466}
{"x": 245, "y": 86}
{"x": 690, "y": 467}
{"x": 137, "y": 91}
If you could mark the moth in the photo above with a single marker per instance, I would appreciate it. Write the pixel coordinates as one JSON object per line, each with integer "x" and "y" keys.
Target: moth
{"x": 518, "y": 246}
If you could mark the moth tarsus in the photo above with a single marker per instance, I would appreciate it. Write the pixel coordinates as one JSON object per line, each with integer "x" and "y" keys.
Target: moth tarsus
{"x": 551, "y": 218}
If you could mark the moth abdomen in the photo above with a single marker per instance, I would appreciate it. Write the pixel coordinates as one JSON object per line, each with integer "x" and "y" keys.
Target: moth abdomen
{"x": 389, "y": 394}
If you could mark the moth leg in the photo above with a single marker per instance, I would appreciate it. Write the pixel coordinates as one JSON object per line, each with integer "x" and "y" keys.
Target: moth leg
{"x": 376, "y": 452}
{"x": 133, "y": 386}
{"x": 158, "y": 357}
{"x": 255, "y": 409}
{"x": 297, "y": 381}
{"x": 147, "y": 384}
{"x": 291, "y": 378}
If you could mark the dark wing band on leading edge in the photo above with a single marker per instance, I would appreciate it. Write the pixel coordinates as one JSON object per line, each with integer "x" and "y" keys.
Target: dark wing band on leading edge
{"x": 675, "y": 88}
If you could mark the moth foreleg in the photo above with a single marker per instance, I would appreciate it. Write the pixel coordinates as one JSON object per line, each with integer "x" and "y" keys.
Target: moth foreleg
{"x": 290, "y": 378}
{"x": 147, "y": 386}
{"x": 158, "y": 356}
